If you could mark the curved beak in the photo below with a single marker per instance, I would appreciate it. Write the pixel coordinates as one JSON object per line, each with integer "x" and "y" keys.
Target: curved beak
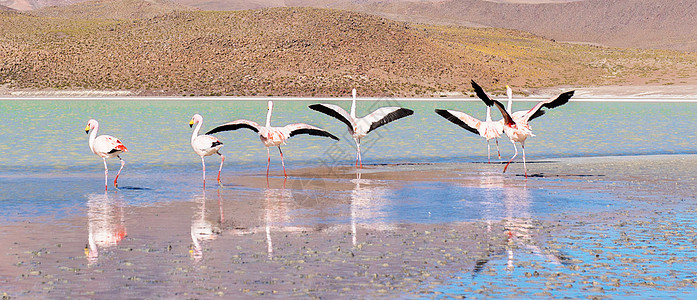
{"x": 191, "y": 123}
{"x": 87, "y": 129}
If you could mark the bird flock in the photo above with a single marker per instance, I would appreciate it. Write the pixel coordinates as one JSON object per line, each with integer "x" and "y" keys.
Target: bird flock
{"x": 515, "y": 125}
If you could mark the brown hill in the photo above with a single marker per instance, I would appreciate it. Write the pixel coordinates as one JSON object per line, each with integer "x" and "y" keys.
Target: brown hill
{"x": 111, "y": 9}
{"x": 655, "y": 24}
{"x": 305, "y": 52}
{"x": 25, "y": 5}
{"x": 658, "y": 24}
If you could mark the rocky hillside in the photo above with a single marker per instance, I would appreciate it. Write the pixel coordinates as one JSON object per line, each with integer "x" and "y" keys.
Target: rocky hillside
{"x": 653, "y": 24}
{"x": 110, "y": 9}
{"x": 658, "y": 24}
{"x": 304, "y": 52}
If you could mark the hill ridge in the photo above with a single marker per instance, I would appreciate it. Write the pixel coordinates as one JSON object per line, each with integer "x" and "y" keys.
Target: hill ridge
{"x": 111, "y": 9}
{"x": 306, "y": 52}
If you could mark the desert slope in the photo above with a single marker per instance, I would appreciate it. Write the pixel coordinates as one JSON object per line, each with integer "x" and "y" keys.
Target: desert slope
{"x": 651, "y": 24}
{"x": 111, "y": 9}
{"x": 305, "y": 52}
{"x": 659, "y": 24}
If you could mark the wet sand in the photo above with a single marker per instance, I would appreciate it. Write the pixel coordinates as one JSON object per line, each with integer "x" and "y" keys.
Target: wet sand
{"x": 577, "y": 227}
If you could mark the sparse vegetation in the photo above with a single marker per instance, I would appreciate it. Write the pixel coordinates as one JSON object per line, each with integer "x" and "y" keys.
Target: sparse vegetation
{"x": 303, "y": 52}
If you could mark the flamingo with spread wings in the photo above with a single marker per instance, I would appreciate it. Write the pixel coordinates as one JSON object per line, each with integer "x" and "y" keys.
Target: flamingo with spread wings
{"x": 360, "y": 127}
{"x": 488, "y": 129}
{"x": 273, "y": 136}
{"x": 515, "y": 125}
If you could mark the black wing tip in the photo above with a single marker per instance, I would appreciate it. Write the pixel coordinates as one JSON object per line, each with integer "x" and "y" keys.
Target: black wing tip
{"x": 319, "y": 107}
{"x": 230, "y": 127}
{"x": 444, "y": 113}
{"x": 455, "y": 120}
{"x": 331, "y": 136}
{"x": 399, "y": 113}
{"x": 393, "y": 116}
{"x": 316, "y": 132}
{"x": 567, "y": 95}
{"x": 562, "y": 99}
{"x": 482, "y": 94}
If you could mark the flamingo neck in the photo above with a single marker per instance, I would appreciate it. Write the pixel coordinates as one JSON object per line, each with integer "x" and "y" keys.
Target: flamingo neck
{"x": 488, "y": 113}
{"x": 93, "y": 136}
{"x": 196, "y": 131}
{"x": 510, "y": 104}
{"x": 268, "y": 117}
{"x": 353, "y": 107}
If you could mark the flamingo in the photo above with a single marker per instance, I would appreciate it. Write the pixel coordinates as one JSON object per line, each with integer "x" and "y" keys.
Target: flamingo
{"x": 105, "y": 146}
{"x": 487, "y": 129}
{"x": 515, "y": 125}
{"x": 205, "y": 145}
{"x": 360, "y": 127}
{"x": 273, "y": 136}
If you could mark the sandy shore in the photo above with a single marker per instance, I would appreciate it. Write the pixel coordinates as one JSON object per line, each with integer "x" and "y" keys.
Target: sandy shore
{"x": 636, "y": 92}
{"x": 596, "y": 227}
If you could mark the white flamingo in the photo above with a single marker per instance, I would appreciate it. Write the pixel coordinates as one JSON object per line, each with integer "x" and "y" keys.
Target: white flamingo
{"x": 360, "y": 127}
{"x": 487, "y": 129}
{"x": 516, "y": 125}
{"x": 273, "y": 136}
{"x": 205, "y": 145}
{"x": 105, "y": 146}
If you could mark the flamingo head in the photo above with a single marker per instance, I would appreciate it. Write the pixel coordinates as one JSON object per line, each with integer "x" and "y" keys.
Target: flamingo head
{"x": 509, "y": 92}
{"x": 195, "y": 119}
{"x": 91, "y": 124}
{"x": 270, "y": 105}
{"x": 353, "y": 92}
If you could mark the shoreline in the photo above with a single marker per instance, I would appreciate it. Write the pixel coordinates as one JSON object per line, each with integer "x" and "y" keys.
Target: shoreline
{"x": 618, "y": 99}
{"x": 663, "y": 93}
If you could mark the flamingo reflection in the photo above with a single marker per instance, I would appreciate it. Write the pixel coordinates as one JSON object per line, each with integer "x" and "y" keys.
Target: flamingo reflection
{"x": 519, "y": 227}
{"x": 518, "y": 224}
{"x": 277, "y": 213}
{"x": 105, "y": 222}
{"x": 203, "y": 229}
{"x": 367, "y": 203}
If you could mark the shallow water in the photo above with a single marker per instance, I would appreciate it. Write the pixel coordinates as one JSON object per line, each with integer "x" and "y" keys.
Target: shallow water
{"x": 47, "y": 135}
{"x": 551, "y": 234}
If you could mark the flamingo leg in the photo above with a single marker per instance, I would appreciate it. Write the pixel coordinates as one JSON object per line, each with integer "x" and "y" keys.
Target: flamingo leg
{"x": 524, "y": 166}
{"x": 222, "y": 160}
{"x": 106, "y": 173}
{"x": 116, "y": 185}
{"x": 282, "y": 163}
{"x": 514, "y": 155}
{"x": 268, "y": 162}
{"x": 203, "y": 164}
